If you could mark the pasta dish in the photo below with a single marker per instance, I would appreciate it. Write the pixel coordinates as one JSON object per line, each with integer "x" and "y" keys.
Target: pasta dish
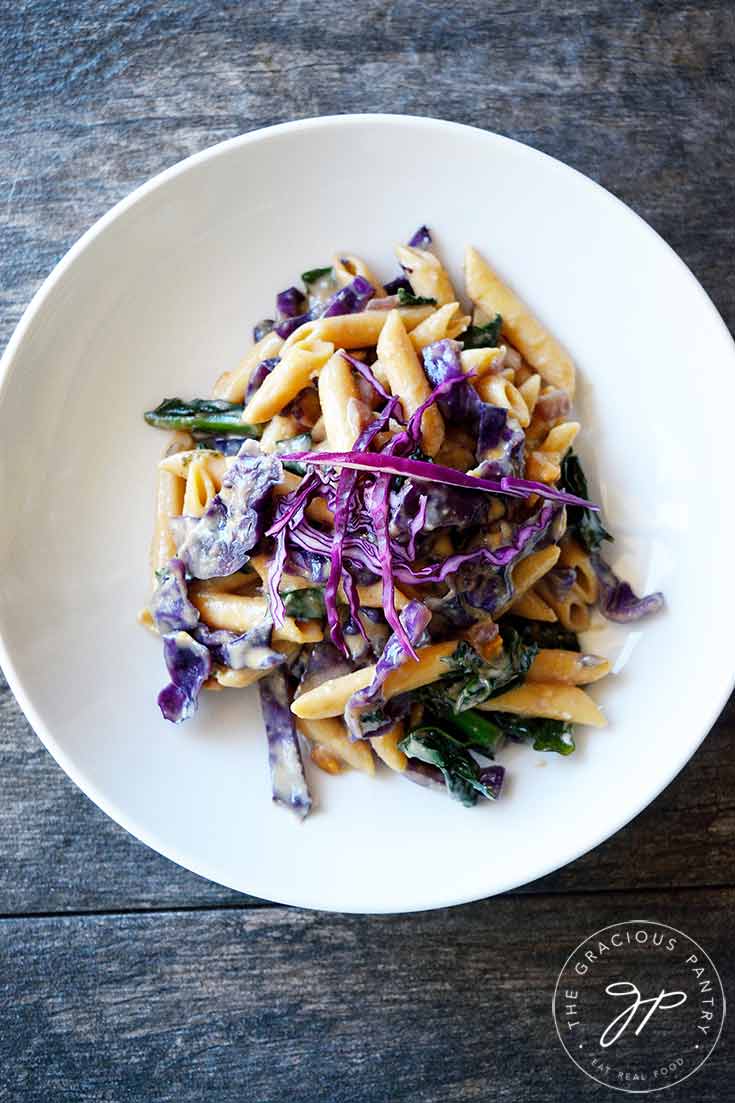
{"x": 379, "y": 518}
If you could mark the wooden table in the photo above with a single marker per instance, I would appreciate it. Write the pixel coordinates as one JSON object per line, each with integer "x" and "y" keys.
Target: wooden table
{"x": 124, "y": 977}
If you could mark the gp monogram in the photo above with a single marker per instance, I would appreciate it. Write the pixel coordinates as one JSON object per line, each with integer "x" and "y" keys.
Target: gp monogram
{"x": 639, "y": 1006}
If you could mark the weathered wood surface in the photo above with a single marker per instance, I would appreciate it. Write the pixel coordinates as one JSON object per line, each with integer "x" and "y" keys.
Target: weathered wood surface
{"x": 226, "y": 999}
{"x": 267, "y": 1005}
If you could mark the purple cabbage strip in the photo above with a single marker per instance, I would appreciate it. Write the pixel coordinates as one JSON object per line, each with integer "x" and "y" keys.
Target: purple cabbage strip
{"x": 189, "y": 665}
{"x": 416, "y": 526}
{"x": 276, "y": 567}
{"x": 366, "y": 373}
{"x": 290, "y": 303}
{"x": 526, "y": 537}
{"x": 396, "y": 285}
{"x": 262, "y": 328}
{"x": 414, "y": 620}
{"x": 288, "y": 781}
{"x": 421, "y": 239}
{"x": 261, "y": 373}
{"x": 618, "y": 602}
{"x": 493, "y": 777}
{"x": 386, "y": 463}
{"x": 424, "y": 774}
{"x": 170, "y": 606}
{"x": 345, "y": 490}
{"x": 324, "y": 663}
{"x": 350, "y": 299}
{"x": 248, "y": 651}
{"x": 379, "y": 495}
{"x": 217, "y": 543}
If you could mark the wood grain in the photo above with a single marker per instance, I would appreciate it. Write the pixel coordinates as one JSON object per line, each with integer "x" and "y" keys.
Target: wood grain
{"x": 262, "y": 1006}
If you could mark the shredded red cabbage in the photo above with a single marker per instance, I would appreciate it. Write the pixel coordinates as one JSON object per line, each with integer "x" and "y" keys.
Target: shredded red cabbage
{"x": 383, "y": 464}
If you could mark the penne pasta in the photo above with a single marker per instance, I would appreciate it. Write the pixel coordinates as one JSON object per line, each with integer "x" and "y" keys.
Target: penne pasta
{"x": 542, "y": 351}
{"x": 574, "y": 555}
{"x": 567, "y": 668}
{"x": 337, "y": 389}
{"x": 426, "y": 274}
{"x": 231, "y": 386}
{"x": 331, "y": 697}
{"x": 499, "y": 391}
{"x": 447, "y": 321}
{"x": 331, "y": 735}
{"x": 481, "y": 361}
{"x": 169, "y": 503}
{"x": 386, "y": 748}
{"x": 356, "y": 331}
{"x": 533, "y": 607}
{"x": 200, "y": 487}
{"x": 572, "y": 610}
{"x": 406, "y": 378}
{"x": 238, "y": 613}
{"x": 555, "y": 702}
{"x": 346, "y": 267}
{"x": 291, "y": 374}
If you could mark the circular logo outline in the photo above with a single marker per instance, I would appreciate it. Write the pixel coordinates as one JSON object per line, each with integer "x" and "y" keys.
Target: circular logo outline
{"x": 671, "y": 1083}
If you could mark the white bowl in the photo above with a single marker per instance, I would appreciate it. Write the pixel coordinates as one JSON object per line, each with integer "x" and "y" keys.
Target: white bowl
{"x": 157, "y": 299}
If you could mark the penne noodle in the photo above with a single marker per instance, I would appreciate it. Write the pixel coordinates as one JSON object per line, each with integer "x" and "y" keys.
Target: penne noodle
{"x": 574, "y": 555}
{"x": 291, "y": 374}
{"x": 356, "y": 331}
{"x": 499, "y": 391}
{"x": 278, "y": 428}
{"x": 533, "y": 607}
{"x": 542, "y": 351}
{"x": 337, "y": 389}
{"x": 346, "y": 267}
{"x": 200, "y": 487}
{"x": 426, "y": 274}
{"x": 239, "y": 613}
{"x": 169, "y": 503}
{"x": 178, "y": 464}
{"x": 238, "y": 679}
{"x": 556, "y": 702}
{"x": 567, "y": 667}
{"x": 481, "y": 361}
{"x": 527, "y": 573}
{"x": 386, "y": 748}
{"x": 331, "y": 735}
{"x": 530, "y": 391}
{"x": 406, "y": 378}
{"x": 331, "y": 697}
{"x": 232, "y": 385}
{"x": 572, "y": 610}
{"x": 447, "y": 321}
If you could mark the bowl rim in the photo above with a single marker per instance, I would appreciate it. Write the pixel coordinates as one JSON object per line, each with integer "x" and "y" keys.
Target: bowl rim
{"x": 719, "y": 698}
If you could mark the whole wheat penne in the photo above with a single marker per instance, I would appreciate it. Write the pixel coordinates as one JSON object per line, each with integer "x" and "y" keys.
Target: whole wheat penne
{"x": 386, "y": 748}
{"x": 556, "y": 702}
{"x": 426, "y": 274}
{"x": 337, "y": 388}
{"x": 533, "y": 607}
{"x": 407, "y": 379}
{"x": 570, "y": 668}
{"x": 346, "y": 267}
{"x": 232, "y": 385}
{"x": 169, "y": 503}
{"x": 241, "y": 613}
{"x": 330, "y": 733}
{"x": 330, "y": 698}
{"x": 447, "y": 321}
{"x": 533, "y": 341}
{"x": 291, "y": 374}
{"x": 356, "y": 331}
